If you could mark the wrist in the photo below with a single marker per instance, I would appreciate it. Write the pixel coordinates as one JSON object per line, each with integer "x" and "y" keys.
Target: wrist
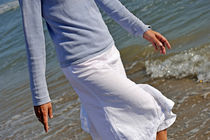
{"x": 146, "y": 34}
{"x": 149, "y": 28}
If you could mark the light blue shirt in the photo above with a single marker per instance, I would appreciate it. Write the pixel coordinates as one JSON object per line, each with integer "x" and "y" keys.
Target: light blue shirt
{"x": 77, "y": 30}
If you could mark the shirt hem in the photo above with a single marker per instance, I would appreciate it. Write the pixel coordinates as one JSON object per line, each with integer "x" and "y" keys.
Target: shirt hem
{"x": 69, "y": 63}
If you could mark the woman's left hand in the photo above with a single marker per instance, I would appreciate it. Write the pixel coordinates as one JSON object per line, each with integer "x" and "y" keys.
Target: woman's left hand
{"x": 157, "y": 40}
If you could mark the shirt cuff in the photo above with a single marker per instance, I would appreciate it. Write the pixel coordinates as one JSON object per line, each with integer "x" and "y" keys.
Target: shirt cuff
{"x": 140, "y": 31}
{"x": 38, "y": 102}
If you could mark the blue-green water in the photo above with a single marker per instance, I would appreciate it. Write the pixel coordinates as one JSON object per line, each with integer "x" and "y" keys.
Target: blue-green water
{"x": 183, "y": 74}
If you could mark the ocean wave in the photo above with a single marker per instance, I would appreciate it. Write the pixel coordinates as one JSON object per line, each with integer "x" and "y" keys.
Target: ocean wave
{"x": 194, "y": 62}
{"x": 8, "y": 6}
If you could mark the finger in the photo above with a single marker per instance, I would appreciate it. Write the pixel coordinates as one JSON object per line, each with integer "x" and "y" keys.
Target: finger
{"x": 163, "y": 50}
{"x": 156, "y": 48}
{"x": 41, "y": 120}
{"x": 40, "y": 116}
{"x": 50, "y": 113}
{"x": 167, "y": 44}
{"x": 159, "y": 45}
{"x": 45, "y": 120}
{"x": 38, "y": 112}
{"x": 163, "y": 40}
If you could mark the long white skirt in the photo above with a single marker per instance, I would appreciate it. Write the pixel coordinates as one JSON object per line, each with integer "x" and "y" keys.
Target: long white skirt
{"x": 112, "y": 106}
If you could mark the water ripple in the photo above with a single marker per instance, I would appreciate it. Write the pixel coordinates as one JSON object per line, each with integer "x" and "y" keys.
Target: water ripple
{"x": 8, "y": 6}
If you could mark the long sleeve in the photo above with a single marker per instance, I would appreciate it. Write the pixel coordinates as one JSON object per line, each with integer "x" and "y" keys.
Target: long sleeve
{"x": 35, "y": 48}
{"x": 123, "y": 16}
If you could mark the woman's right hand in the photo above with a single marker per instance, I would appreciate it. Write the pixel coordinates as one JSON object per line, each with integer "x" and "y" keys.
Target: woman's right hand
{"x": 42, "y": 112}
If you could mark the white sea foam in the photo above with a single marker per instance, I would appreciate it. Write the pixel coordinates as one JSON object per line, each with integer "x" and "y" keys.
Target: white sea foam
{"x": 8, "y": 6}
{"x": 195, "y": 62}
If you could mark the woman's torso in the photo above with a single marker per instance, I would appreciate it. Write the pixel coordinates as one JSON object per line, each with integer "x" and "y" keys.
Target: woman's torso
{"x": 76, "y": 28}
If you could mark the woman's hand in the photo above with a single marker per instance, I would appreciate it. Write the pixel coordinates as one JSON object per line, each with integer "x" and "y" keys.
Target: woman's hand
{"x": 157, "y": 40}
{"x": 42, "y": 112}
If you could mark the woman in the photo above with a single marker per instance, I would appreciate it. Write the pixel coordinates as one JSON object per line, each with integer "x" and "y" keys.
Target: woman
{"x": 113, "y": 107}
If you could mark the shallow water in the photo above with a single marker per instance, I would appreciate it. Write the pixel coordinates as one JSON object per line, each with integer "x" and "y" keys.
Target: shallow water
{"x": 182, "y": 75}
{"x": 191, "y": 95}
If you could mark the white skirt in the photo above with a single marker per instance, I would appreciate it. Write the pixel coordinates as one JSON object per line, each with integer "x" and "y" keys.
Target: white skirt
{"x": 112, "y": 106}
